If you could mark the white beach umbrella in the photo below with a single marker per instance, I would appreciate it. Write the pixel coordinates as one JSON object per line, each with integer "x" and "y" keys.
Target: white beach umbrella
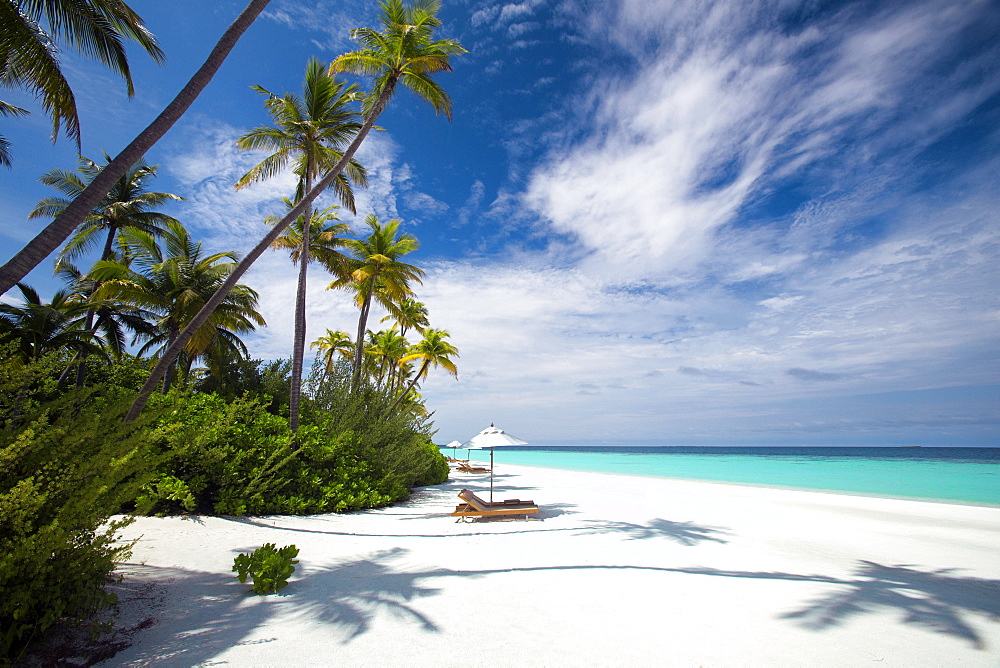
{"x": 492, "y": 437}
{"x": 454, "y": 447}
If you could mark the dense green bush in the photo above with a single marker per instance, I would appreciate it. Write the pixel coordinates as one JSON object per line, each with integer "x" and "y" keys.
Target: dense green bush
{"x": 234, "y": 378}
{"x": 396, "y": 439}
{"x": 235, "y": 457}
{"x": 66, "y": 466}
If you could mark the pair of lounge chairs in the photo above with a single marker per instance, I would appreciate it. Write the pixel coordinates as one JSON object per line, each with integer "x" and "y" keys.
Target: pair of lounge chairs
{"x": 476, "y": 507}
{"x": 466, "y": 467}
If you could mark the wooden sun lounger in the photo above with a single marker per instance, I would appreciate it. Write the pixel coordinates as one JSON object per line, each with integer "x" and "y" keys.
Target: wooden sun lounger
{"x": 465, "y": 467}
{"x": 476, "y": 507}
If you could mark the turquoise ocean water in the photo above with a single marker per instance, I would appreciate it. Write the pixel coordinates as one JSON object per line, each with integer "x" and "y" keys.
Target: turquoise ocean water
{"x": 968, "y": 475}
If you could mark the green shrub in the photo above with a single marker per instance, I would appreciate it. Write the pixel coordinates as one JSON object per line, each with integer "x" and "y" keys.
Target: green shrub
{"x": 162, "y": 492}
{"x": 270, "y": 568}
{"x": 233, "y": 457}
{"x": 66, "y": 466}
{"x": 393, "y": 438}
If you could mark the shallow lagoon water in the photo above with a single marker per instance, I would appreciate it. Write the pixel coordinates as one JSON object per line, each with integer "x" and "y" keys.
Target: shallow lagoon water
{"x": 967, "y": 475}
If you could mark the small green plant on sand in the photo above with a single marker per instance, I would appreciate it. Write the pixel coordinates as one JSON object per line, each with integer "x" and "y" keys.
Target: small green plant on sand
{"x": 269, "y": 567}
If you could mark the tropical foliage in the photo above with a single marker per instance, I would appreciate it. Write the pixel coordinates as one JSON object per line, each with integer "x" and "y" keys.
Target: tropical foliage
{"x": 127, "y": 206}
{"x": 404, "y": 51}
{"x": 29, "y": 56}
{"x": 227, "y": 434}
{"x": 378, "y": 274}
{"x": 39, "y": 328}
{"x": 66, "y": 466}
{"x": 174, "y": 280}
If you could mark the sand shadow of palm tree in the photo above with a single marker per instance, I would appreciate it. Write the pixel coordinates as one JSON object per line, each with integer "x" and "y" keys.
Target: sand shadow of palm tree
{"x": 364, "y": 587}
{"x": 217, "y": 613}
{"x": 348, "y": 596}
{"x": 685, "y": 533}
{"x": 931, "y": 599}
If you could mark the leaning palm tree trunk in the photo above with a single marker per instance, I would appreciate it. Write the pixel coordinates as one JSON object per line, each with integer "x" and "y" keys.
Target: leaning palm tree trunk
{"x": 256, "y": 252}
{"x": 413, "y": 383}
{"x": 59, "y": 229}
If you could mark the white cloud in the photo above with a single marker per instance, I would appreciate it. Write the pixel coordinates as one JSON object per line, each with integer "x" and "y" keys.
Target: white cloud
{"x": 726, "y": 105}
{"x": 333, "y": 18}
{"x": 515, "y": 30}
{"x": 915, "y": 310}
{"x": 516, "y": 10}
{"x": 425, "y": 203}
{"x": 206, "y": 165}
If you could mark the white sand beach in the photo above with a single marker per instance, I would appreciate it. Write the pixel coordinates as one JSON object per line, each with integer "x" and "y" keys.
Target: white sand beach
{"x": 614, "y": 571}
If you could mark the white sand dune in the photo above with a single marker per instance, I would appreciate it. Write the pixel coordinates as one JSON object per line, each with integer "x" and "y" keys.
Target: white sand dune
{"x": 614, "y": 571}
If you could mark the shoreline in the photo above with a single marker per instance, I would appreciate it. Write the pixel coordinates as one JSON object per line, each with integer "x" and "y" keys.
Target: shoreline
{"x": 568, "y": 466}
{"x": 614, "y": 570}
{"x": 762, "y": 485}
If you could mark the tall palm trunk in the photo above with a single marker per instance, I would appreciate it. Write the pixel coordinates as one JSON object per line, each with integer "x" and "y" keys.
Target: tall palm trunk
{"x": 299, "y": 342}
{"x": 56, "y": 232}
{"x": 359, "y": 348}
{"x": 256, "y": 252}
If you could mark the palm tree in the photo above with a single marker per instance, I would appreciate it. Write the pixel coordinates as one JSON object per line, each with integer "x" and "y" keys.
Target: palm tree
{"x": 325, "y": 241}
{"x": 127, "y": 205}
{"x": 386, "y": 349}
{"x": 321, "y": 244}
{"x": 174, "y": 281}
{"x": 405, "y": 52}
{"x": 307, "y": 134}
{"x": 376, "y": 263}
{"x": 333, "y": 344}
{"x": 56, "y": 232}
{"x": 115, "y": 321}
{"x": 29, "y": 57}
{"x": 433, "y": 350}
{"x": 408, "y": 314}
{"x": 38, "y": 328}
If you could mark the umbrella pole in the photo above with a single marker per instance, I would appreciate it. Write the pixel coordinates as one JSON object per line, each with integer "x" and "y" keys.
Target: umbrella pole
{"x": 491, "y": 475}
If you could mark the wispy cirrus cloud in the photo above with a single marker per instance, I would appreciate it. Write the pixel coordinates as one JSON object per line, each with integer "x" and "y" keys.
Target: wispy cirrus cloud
{"x": 334, "y": 19}
{"x": 727, "y": 103}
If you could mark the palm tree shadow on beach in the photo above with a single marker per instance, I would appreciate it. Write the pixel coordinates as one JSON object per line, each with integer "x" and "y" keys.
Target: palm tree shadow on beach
{"x": 685, "y": 533}
{"x": 212, "y": 613}
{"x": 932, "y": 599}
{"x": 216, "y": 613}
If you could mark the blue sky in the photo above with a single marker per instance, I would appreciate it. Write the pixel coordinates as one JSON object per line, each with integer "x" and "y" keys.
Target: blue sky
{"x": 649, "y": 222}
